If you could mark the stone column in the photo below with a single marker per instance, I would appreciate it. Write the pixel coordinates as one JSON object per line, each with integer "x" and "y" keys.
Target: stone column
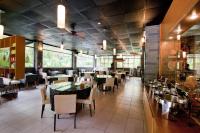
{"x": 152, "y": 52}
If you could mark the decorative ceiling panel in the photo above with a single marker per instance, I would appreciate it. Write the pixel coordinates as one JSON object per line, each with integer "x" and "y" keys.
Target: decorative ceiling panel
{"x": 121, "y": 21}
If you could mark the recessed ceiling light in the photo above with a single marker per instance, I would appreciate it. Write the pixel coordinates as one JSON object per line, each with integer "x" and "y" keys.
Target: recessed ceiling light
{"x": 99, "y": 23}
{"x": 193, "y": 15}
{"x": 179, "y": 29}
{"x": 170, "y": 37}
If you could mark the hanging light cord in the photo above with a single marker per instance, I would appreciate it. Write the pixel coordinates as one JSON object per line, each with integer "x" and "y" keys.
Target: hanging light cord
{"x": 62, "y": 40}
{"x": 0, "y": 16}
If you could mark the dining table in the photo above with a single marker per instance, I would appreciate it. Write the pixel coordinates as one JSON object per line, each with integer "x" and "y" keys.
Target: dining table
{"x": 82, "y": 90}
{"x": 56, "y": 77}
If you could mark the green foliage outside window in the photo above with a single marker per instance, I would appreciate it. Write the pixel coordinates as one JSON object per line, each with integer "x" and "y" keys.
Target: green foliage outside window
{"x": 29, "y": 56}
{"x": 104, "y": 61}
{"x": 84, "y": 60}
{"x": 129, "y": 61}
{"x": 55, "y": 57}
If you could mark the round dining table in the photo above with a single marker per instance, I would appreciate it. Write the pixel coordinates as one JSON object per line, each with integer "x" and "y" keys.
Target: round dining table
{"x": 66, "y": 88}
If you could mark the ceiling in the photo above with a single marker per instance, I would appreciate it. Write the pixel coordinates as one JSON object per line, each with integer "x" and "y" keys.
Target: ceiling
{"x": 122, "y": 21}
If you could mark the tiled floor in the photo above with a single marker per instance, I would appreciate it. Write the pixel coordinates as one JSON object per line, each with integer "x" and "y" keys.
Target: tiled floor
{"x": 121, "y": 112}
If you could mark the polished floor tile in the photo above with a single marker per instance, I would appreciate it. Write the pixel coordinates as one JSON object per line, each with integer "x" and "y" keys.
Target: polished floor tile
{"x": 118, "y": 112}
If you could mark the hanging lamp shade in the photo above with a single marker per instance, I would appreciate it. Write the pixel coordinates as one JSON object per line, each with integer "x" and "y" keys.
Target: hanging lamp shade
{"x": 114, "y": 51}
{"x": 184, "y": 54}
{"x": 61, "y": 16}
{"x": 61, "y": 46}
{"x": 104, "y": 44}
{"x": 178, "y": 37}
{"x": 1, "y": 30}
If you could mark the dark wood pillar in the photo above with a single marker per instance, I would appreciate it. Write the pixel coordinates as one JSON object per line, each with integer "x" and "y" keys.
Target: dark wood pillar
{"x": 38, "y": 47}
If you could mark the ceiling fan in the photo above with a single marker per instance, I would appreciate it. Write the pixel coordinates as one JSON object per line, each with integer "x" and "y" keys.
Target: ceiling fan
{"x": 73, "y": 32}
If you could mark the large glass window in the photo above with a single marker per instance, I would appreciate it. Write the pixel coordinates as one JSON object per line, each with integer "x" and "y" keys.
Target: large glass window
{"x": 129, "y": 61}
{"x": 194, "y": 62}
{"x": 84, "y": 60}
{"x": 104, "y": 61}
{"x": 55, "y": 57}
{"x": 29, "y": 55}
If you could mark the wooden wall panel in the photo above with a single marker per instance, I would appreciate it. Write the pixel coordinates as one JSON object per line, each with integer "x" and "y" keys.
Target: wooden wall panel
{"x": 149, "y": 117}
{"x": 177, "y": 11}
{"x": 20, "y": 57}
{"x": 168, "y": 49}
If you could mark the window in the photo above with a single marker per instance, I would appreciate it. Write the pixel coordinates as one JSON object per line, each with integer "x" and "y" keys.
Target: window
{"x": 55, "y": 57}
{"x": 194, "y": 62}
{"x": 29, "y": 55}
{"x": 104, "y": 61}
{"x": 129, "y": 61}
{"x": 84, "y": 60}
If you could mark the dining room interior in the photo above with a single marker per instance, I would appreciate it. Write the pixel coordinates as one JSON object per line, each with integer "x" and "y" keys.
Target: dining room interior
{"x": 99, "y": 66}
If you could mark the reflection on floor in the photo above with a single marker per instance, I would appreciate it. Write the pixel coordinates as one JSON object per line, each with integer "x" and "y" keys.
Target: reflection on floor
{"x": 121, "y": 112}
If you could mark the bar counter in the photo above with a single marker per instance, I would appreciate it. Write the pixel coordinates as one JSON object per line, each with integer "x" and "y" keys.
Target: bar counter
{"x": 159, "y": 120}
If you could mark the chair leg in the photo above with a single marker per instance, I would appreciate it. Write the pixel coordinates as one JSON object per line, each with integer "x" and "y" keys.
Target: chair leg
{"x": 27, "y": 85}
{"x": 94, "y": 104}
{"x": 58, "y": 116}
{"x": 54, "y": 122}
{"x": 75, "y": 120}
{"x": 90, "y": 110}
{"x": 43, "y": 107}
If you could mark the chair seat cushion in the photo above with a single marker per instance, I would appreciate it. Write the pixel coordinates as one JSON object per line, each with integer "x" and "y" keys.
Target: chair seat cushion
{"x": 47, "y": 101}
{"x": 84, "y": 101}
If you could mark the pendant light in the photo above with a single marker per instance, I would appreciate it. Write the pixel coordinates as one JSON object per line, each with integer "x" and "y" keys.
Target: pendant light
{"x": 184, "y": 54}
{"x": 114, "y": 51}
{"x": 61, "y": 16}
{"x": 1, "y": 26}
{"x": 178, "y": 37}
{"x": 62, "y": 46}
{"x": 104, "y": 44}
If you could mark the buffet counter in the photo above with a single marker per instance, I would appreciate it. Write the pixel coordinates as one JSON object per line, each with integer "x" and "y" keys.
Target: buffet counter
{"x": 167, "y": 113}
